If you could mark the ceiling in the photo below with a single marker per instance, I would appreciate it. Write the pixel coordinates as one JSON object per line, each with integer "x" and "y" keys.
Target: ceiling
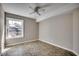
{"x": 51, "y": 9}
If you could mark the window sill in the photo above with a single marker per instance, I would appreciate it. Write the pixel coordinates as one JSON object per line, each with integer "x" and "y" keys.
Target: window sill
{"x": 15, "y": 37}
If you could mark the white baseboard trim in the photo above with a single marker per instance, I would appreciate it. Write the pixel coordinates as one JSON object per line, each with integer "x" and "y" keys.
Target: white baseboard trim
{"x": 19, "y": 43}
{"x": 60, "y": 46}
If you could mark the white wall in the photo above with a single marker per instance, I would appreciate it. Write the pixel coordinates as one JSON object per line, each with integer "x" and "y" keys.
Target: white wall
{"x": 1, "y": 27}
{"x": 57, "y": 30}
{"x": 76, "y": 31}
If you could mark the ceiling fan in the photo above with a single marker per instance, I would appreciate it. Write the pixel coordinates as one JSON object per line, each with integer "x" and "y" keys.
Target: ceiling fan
{"x": 39, "y": 7}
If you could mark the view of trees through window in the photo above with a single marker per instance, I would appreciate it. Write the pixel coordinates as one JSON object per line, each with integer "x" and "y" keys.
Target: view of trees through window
{"x": 14, "y": 28}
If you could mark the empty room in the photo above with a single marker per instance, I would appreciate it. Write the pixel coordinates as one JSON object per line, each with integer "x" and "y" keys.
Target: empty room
{"x": 39, "y": 29}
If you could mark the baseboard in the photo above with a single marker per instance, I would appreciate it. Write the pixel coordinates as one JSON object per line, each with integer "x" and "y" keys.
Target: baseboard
{"x": 60, "y": 47}
{"x": 19, "y": 43}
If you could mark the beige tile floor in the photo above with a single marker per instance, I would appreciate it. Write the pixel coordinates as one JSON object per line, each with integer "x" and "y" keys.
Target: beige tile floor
{"x": 36, "y": 48}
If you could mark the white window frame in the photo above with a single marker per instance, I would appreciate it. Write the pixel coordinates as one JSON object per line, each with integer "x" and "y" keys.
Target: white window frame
{"x": 7, "y": 20}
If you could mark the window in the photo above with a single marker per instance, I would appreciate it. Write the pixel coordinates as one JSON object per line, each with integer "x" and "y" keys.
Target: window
{"x": 14, "y": 28}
